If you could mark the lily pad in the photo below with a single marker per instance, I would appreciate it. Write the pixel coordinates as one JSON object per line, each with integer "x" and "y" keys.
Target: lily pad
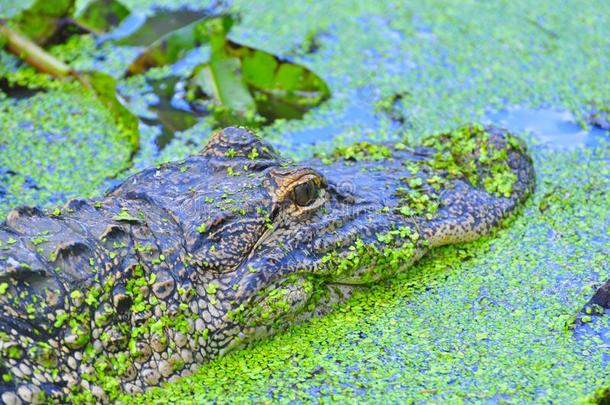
{"x": 219, "y": 80}
{"x": 281, "y": 88}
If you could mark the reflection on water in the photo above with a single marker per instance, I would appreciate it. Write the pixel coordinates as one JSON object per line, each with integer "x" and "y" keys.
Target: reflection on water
{"x": 172, "y": 112}
{"x": 554, "y": 128}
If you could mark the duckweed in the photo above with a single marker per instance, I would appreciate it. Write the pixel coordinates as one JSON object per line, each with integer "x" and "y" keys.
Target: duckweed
{"x": 489, "y": 321}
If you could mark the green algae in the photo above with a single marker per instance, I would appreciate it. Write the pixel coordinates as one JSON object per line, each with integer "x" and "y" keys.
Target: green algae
{"x": 490, "y": 321}
{"x": 57, "y": 145}
{"x": 466, "y": 152}
{"x": 356, "y": 152}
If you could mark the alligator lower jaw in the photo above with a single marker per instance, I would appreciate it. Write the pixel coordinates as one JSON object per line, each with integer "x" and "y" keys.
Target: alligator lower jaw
{"x": 331, "y": 294}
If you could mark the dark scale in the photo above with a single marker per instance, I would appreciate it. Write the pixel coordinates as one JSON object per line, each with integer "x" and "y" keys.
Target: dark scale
{"x": 182, "y": 263}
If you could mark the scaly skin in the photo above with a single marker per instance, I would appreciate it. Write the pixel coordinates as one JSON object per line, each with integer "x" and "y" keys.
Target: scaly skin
{"x": 183, "y": 262}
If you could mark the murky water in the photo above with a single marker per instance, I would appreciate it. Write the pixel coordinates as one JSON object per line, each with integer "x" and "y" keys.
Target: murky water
{"x": 173, "y": 114}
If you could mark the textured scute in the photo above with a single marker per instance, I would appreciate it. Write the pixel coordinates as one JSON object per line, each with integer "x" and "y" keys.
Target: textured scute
{"x": 184, "y": 262}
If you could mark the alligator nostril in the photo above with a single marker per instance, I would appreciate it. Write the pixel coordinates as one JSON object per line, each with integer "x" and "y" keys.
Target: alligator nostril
{"x": 122, "y": 302}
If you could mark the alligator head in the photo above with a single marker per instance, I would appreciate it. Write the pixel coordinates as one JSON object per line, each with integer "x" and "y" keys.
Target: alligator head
{"x": 183, "y": 262}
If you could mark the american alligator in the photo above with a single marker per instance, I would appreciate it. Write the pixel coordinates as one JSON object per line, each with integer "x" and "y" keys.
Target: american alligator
{"x": 186, "y": 261}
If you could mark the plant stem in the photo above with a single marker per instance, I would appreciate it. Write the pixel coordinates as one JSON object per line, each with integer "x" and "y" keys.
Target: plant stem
{"x": 33, "y": 54}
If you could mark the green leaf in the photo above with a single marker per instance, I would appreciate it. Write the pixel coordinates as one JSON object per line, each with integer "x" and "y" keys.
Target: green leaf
{"x": 245, "y": 81}
{"x": 282, "y": 89}
{"x": 259, "y": 69}
{"x": 101, "y": 15}
{"x": 165, "y": 21}
{"x": 174, "y": 45}
{"x": 238, "y": 84}
{"x": 43, "y": 19}
{"x": 220, "y": 79}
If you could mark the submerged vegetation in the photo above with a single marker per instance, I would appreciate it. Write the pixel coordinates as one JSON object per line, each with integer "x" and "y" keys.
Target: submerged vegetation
{"x": 495, "y": 320}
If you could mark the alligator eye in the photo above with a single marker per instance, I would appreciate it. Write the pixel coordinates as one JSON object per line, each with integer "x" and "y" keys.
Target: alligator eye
{"x": 305, "y": 193}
